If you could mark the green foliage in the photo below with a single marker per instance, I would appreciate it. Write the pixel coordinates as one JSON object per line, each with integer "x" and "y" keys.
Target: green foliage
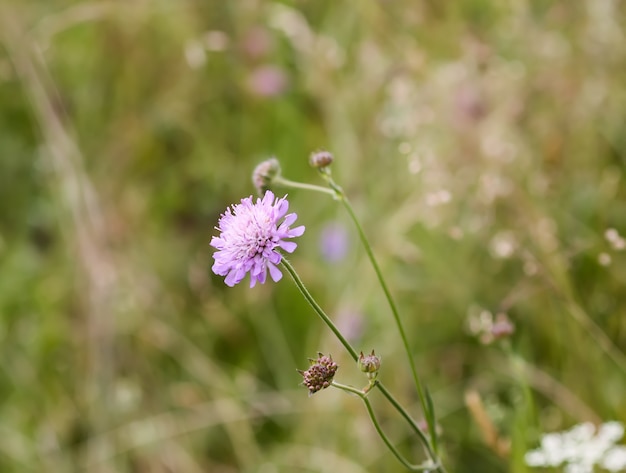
{"x": 482, "y": 144}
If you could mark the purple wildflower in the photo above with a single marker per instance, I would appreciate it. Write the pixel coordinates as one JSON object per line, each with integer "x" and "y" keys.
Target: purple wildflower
{"x": 250, "y": 238}
{"x": 334, "y": 242}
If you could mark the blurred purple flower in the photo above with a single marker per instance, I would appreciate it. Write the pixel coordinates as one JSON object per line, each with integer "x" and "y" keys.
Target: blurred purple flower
{"x": 334, "y": 242}
{"x": 250, "y": 237}
{"x": 267, "y": 81}
{"x": 351, "y": 324}
{"x": 469, "y": 105}
{"x": 257, "y": 42}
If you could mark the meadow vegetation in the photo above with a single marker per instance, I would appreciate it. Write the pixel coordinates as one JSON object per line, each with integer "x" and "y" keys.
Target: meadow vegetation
{"x": 482, "y": 144}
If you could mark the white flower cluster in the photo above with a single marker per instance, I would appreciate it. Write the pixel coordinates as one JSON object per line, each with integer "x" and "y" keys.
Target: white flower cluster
{"x": 581, "y": 448}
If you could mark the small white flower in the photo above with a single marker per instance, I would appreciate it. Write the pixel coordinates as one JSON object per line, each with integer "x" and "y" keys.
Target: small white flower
{"x": 580, "y": 433}
{"x": 578, "y": 468}
{"x": 611, "y": 431}
{"x": 615, "y": 459}
{"x": 535, "y": 458}
{"x": 581, "y": 448}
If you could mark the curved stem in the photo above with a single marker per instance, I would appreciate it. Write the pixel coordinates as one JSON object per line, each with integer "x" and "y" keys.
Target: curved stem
{"x": 353, "y": 353}
{"x": 281, "y": 181}
{"x": 427, "y": 466}
{"x": 420, "y": 433}
{"x": 394, "y": 309}
{"x": 309, "y": 298}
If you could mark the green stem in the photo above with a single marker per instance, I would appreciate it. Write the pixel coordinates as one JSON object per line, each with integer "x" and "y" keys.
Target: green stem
{"x": 353, "y": 353}
{"x": 309, "y": 298}
{"x": 394, "y": 309}
{"x": 420, "y": 433}
{"x": 337, "y": 192}
{"x": 427, "y": 466}
{"x": 281, "y": 181}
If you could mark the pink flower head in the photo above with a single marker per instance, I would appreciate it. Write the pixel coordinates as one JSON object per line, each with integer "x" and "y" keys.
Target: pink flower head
{"x": 250, "y": 238}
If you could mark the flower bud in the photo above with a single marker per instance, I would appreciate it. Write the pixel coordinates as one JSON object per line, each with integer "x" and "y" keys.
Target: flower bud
{"x": 321, "y": 159}
{"x": 264, "y": 174}
{"x": 370, "y": 365}
{"x": 321, "y": 373}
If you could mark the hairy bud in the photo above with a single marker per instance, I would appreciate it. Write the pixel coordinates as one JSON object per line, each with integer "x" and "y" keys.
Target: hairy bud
{"x": 264, "y": 174}
{"x": 369, "y": 364}
{"x": 321, "y": 159}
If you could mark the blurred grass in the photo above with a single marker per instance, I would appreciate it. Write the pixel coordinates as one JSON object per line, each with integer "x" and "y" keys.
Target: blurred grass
{"x": 483, "y": 144}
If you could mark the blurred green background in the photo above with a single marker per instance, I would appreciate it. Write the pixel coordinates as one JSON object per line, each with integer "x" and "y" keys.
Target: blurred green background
{"x": 482, "y": 143}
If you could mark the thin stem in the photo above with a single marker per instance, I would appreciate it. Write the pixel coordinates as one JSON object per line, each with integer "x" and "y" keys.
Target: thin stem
{"x": 595, "y": 332}
{"x": 316, "y": 307}
{"x": 411, "y": 467}
{"x": 307, "y": 295}
{"x": 281, "y": 181}
{"x": 420, "y": 433}
{"x": 394, "y": 310}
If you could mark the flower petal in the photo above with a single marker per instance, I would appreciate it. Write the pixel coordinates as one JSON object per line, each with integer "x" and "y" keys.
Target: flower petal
{"x": 288, "y": 246}
{"x": 289, "y": 219}
{"x": 275, "y": 273}
{"x": 296, "y": 232}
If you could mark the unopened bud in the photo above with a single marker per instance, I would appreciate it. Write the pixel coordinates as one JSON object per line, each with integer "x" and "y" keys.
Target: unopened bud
{"x": 321, "y": 159}
{"x": 264, "y": 174}
{"x": 370, "y": 365}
